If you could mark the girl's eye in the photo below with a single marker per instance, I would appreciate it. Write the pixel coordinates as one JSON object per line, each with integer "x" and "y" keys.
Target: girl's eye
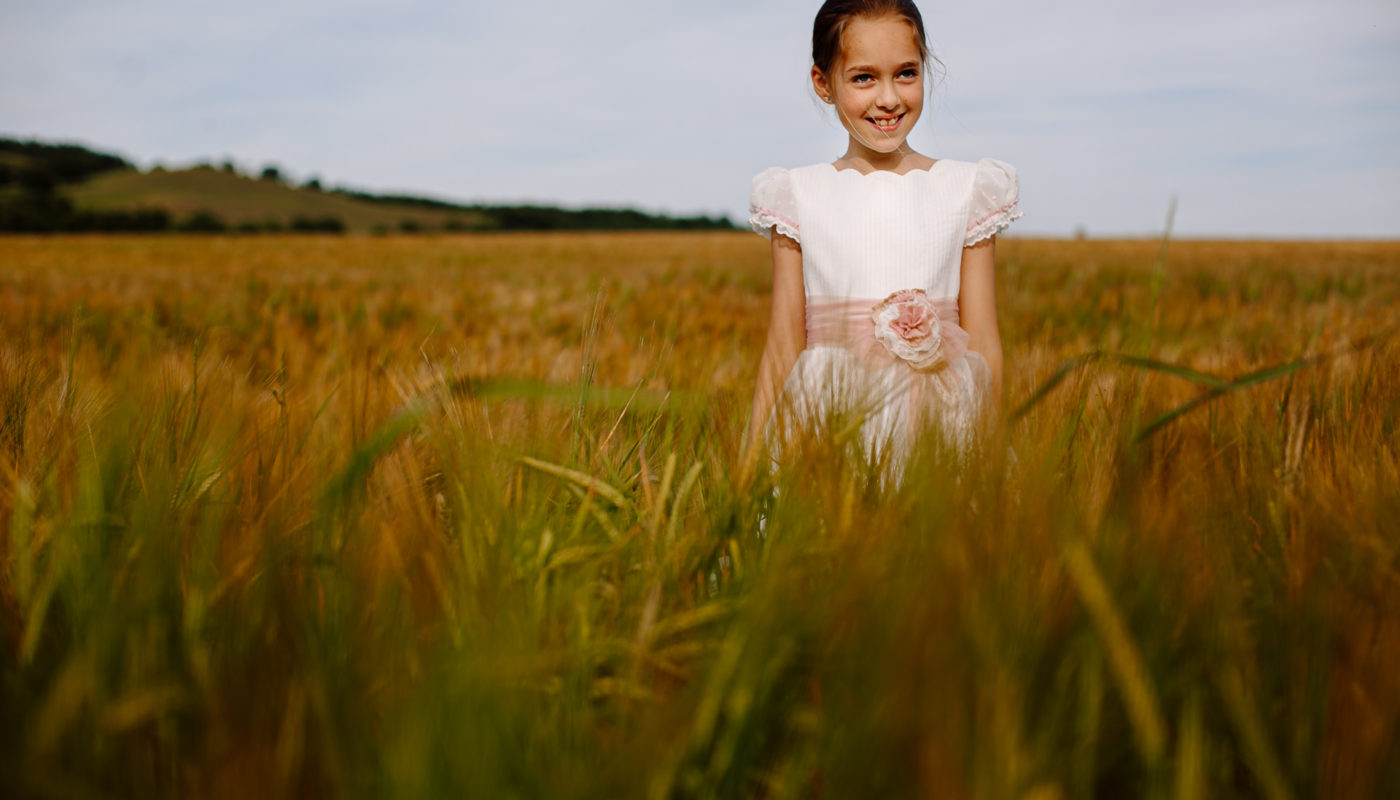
{"x": 909, "y": 73}
{"x": 862, "y": 79}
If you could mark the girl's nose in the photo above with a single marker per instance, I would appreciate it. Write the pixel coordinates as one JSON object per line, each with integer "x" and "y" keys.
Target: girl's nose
{"x": 889, "y": 98}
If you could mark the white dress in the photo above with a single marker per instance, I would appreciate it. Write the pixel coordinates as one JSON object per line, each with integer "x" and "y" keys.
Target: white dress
{"x": 865, "y": 237}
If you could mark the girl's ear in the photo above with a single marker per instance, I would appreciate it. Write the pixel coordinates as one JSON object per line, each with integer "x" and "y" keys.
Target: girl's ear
{"x": 820, "y": 86}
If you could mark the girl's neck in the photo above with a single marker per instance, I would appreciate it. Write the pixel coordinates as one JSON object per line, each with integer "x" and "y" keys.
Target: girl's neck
{"x": 863, "y": 159}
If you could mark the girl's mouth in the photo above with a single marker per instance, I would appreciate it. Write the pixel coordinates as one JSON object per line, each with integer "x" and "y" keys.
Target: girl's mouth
{"x": 885, "y": 124}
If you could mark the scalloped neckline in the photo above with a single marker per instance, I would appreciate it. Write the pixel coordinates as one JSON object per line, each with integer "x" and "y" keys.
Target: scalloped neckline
{"x": 929, "y": 169}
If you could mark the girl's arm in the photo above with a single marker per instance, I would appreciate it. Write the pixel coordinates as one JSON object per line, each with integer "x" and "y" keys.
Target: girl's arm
{"x": 977, "y": 308}
{"x": 787, "y": 335}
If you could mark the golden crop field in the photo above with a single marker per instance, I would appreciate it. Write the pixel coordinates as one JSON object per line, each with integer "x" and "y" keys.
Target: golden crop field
{"x": 460, "y": 516}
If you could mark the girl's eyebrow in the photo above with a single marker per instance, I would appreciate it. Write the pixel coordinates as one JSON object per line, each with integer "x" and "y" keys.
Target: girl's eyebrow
{"x": 868, "y": 68}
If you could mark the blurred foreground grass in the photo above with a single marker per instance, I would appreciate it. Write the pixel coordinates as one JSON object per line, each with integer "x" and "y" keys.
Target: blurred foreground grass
{"x": 430, "y": 517}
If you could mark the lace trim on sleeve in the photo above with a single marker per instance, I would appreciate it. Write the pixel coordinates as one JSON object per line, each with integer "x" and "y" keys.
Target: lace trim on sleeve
{"x": 993, "y": 223}
{"x": 764, "y": 220}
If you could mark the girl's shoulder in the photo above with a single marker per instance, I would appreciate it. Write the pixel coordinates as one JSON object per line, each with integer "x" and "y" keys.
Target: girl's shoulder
{"x": 780, "y": 175}
{"x": 992, "y": 170}
{"x": 773, "y": 197}
{"x": 988, "y": 191}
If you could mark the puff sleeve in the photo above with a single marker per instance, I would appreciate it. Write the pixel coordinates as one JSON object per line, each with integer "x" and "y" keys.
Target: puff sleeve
{"x": 772, "y": 204}
{"x": 993, "y": 205}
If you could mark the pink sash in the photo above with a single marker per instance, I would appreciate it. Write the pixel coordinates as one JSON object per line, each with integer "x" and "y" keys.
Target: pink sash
{"x": 846, "y": 322}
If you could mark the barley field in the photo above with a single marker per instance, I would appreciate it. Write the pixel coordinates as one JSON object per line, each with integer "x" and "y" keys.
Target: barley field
{"x": 421, "y": 517}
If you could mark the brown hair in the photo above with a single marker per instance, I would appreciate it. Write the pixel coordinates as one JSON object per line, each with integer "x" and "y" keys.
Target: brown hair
{"x": 834, "y": 15}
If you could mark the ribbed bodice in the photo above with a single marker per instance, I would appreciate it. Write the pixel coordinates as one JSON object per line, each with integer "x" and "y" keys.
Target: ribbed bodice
{"x": 868, "y": 235}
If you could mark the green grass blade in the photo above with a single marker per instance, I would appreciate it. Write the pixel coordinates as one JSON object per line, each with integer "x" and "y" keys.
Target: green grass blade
{"x": 581, "y": 479}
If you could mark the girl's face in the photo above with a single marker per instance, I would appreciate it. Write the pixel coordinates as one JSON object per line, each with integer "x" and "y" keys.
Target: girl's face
{"x": 877, "y": 85}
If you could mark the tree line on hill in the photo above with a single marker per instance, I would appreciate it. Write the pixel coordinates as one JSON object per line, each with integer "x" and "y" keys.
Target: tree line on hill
{"x": 33, "y": 176}
{"x": 548, "y": 218}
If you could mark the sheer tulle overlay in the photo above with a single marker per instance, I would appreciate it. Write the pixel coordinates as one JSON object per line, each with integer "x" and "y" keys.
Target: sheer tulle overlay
{"x": 846, "y": 374}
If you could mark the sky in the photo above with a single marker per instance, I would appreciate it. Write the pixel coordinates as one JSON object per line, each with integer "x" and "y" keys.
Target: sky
{"x": 1272, "y": 119}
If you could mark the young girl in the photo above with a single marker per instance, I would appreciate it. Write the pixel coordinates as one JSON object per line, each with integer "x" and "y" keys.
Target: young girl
{"x": 883, "y": 293}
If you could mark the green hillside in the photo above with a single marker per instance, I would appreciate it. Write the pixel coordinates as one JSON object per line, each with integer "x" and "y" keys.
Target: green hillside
{"x": 64, "y": 187}
{"x": 243, "y": 202}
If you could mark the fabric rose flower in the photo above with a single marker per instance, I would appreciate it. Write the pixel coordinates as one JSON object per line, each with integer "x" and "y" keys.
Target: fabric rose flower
{"x": 907, "y": 324}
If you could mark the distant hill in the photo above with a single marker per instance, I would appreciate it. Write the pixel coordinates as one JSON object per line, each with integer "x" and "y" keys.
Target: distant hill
{"x": 253, "y": 204}
{"x": 46, "y": 187}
